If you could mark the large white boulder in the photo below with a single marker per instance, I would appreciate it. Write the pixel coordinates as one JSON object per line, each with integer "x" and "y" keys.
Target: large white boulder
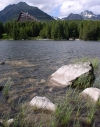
{"x": 93, "y": 93}
{"x": 42, "y": 103}
{"x": 66, "y": 75}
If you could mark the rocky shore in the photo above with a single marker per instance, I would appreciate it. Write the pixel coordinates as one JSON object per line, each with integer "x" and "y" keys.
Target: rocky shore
{"x": 24, "y": 96}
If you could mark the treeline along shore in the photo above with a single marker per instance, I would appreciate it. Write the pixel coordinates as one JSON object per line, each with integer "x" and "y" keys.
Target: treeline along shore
{"x": 56, "y": 30}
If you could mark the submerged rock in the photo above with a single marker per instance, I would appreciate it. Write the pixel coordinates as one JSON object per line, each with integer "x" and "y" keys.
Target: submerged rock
{"x": 2, "y": 63}
{"x": 93, "y": 93}
{"x": 78, "y": 74}
{"x": 42, "y": 81}
{"x": 1, "y": 88}
{"x": 42, "y": 103}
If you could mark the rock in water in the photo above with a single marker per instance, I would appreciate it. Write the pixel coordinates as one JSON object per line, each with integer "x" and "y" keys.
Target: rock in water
{"x": 1, "y": 88}
{"x": 42, "y": 81}
{"x": 2, "y": 63}
{"x": 93, "y": 93}
{"x": 42, "y": 103}
{"x": 78, "y": 74}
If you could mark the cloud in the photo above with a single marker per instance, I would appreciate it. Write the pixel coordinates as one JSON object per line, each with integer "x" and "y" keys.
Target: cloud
{"x": 77, "y": 6}
{"x": 48, "y": 6}
{"x": 70, "y": 7}
{"x": 60, "y": 8}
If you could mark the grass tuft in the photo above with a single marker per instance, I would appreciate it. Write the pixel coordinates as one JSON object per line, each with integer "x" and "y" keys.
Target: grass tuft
{"x": 72, "y": 109}
{"x": 6, "y": 88}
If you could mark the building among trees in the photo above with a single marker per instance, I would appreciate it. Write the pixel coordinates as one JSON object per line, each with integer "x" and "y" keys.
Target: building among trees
{"x": 26, "y": 17}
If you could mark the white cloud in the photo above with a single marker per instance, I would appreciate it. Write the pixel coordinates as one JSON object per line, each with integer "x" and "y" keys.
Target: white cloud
{"x": 70, "y": 7}
{"x": 59, "y": 8}
{"x": 77, "y": 6}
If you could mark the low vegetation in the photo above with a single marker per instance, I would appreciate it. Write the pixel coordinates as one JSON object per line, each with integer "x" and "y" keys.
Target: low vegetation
{"x": 72, "y": 111}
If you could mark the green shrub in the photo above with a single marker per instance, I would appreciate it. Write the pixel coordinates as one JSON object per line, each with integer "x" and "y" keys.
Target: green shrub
{"x": 5, "y": 36}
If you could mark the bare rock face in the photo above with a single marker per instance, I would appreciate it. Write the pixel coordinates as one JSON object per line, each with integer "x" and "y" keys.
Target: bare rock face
{"x": 42, "y": 103}
{"x": 93, "y": 93}
{"x": 74, "y": 74}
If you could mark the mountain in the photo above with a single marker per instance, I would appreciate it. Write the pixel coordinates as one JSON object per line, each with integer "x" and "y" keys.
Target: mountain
{"x": 86, "y": 15}
{"x": 56, "y": 18}
{"x": 73, "y": 17}
{"x": 11, "y": 12}
{"x": 89, "y": 15}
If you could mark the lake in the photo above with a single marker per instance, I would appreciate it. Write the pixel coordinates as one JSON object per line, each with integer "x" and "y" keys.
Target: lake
{"x": 48, "y": 54}
{"x": 48, "y": 50}
{"x": 28, "y": 64}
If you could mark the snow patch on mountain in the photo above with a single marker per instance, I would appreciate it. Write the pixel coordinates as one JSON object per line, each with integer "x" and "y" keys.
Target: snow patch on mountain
{"x": 87, "y": 14}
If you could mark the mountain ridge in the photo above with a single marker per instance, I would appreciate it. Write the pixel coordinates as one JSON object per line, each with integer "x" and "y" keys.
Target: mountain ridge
{"x": 85, "y": 15}
{"x": 11, "y": 12}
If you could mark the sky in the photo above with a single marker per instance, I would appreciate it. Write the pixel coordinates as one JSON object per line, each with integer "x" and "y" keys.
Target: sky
{"x": 59, "y": 8}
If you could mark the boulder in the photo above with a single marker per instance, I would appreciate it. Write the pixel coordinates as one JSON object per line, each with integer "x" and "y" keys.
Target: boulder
{"x": 9, "y": 122}
{"x": 42, "y": 103}
{"x": 93, "y": 93}
{"x": 78, "y": 74}
{"x": 1, "y": 123}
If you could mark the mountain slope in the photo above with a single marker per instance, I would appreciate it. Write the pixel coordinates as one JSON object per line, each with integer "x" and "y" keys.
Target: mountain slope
{"x": 73, "y": 17}
{"x": 12, "y": 12}
{"x": 89, "y": 15}
{"x": 86, "y": 15}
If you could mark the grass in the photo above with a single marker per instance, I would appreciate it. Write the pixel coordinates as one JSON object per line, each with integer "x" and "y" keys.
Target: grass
{"x": 6, "y": 88}
{"x": 70, "y": 112}
{"x": 72, "y": 109}
{"x": 91, "y": 111}
{"x": 20, "y": 118}
{"x": 94, "y": 61}
{"x": 83, "y": 81}
{"x": 86, "y": 80}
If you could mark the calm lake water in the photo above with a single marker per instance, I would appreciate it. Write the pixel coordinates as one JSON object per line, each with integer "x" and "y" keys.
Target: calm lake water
{"x": 48, "y": 50}
{"x": 48, "y": 55}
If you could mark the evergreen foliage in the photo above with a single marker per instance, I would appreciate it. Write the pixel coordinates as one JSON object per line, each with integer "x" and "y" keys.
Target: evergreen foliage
{"x": 57, "y": 30}
{"x": 1, "y": 29}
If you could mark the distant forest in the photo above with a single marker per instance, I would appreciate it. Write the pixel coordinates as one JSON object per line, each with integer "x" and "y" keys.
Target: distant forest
{"x": 57, "y": 30}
